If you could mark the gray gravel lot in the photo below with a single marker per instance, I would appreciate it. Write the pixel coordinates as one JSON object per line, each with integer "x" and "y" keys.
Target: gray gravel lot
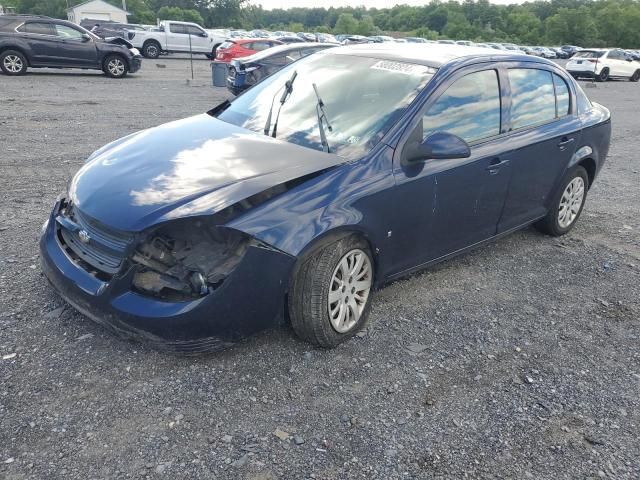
{"x": 519, "y": 360}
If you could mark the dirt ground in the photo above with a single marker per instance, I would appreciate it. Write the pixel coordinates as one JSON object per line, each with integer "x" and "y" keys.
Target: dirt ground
{"x": 519, "y": 360}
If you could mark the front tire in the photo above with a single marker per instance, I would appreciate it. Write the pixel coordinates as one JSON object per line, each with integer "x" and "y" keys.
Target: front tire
{"x": 13, "y": 62}
{"x": 151, "y": 50}
{"x": 635, "y": 77}
{"x": 115, "y": 66}
{"x": 330, "y": 296}
{"x": 567, "y": 204}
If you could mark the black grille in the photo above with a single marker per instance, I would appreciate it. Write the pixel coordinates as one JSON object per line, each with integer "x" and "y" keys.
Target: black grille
{"x": 101, "y": 247}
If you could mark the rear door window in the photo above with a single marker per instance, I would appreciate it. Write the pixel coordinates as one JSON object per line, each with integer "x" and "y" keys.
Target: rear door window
{"x": 38, "y": 28}
{"x": 532, "y": 97}
{"x": 469, "y": 108}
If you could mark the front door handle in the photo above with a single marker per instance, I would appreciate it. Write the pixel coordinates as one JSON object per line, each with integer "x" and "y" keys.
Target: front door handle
{"x": 562, "y": 145}
{"x": 495, "y": 164}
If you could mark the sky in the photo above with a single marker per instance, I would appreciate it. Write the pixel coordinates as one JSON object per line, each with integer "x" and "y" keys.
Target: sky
{"x": 269, "y": 4}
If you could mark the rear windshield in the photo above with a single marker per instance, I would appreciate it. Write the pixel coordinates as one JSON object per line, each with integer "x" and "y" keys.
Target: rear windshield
{"x": 588, "y": 54}
{"x": 227, "y": 44}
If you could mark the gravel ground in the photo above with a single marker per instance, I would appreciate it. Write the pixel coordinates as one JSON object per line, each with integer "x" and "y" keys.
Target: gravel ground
{"x": 519, "y": 360}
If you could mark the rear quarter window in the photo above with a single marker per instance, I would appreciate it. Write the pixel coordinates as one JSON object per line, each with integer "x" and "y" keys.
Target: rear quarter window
{"x": 39, "y": 28}
{"x": 562, "y": 96}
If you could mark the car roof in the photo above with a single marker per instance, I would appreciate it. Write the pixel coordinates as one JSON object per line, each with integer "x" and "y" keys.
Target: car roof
{"x": 287, "y": 47}
{"x": 429, "y": 54}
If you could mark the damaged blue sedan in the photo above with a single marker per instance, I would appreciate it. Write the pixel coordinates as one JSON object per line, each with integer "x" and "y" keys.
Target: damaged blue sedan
{"x": 342, "y": 172}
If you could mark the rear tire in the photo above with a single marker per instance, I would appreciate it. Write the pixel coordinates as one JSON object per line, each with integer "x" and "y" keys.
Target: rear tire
{"x": 115, "y": 66}
{"x": 567, "y": 204}
{"x": 330, "y": 296}
{"x": 151, "y": 49}
{"x": 603, "y": 76}
{"x": 13, "y": 62}
{"x": 635, "y": 77}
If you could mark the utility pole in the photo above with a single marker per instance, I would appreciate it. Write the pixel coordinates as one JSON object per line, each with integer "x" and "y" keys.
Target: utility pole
{"x": 124, "y": 5}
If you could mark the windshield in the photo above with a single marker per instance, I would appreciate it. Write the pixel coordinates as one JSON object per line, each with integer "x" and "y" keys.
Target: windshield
{"x": 588, "y": 54}
{"x": 363, "y": 97}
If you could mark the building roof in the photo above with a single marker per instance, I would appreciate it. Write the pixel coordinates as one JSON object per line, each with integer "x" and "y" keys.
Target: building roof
{"x": 101, "y": 1}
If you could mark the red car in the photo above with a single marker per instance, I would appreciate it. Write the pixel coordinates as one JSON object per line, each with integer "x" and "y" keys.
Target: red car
{"x": 231, "y": 49}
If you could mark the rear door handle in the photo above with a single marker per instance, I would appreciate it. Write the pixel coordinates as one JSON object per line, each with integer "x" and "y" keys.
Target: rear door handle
{"x": 564, "y": 142}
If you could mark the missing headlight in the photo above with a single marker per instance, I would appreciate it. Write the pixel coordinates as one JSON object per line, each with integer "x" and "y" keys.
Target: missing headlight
{"x": 187, "y": 260}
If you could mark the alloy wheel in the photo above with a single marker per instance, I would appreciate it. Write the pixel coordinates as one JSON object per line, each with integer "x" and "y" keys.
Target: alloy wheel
{"x": 349, "y": 290}
{"x": 571, "y": 202}
{"x": 116, "y": 67}
{"x": 13, "y": 63}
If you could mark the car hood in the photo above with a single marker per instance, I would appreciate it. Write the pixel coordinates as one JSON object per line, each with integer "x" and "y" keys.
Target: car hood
{"x": 196, "y": 166}
{"x": 117, "y": 41}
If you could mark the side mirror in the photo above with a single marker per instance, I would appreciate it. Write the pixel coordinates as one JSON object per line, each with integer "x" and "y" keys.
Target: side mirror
{"x": 204, "y": 34}
{"x": 86, "y": 37}
{"x": 439, "y": 146}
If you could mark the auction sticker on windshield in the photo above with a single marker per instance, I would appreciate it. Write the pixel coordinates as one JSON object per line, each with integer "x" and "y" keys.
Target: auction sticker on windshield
{"x": 400, "y": 67}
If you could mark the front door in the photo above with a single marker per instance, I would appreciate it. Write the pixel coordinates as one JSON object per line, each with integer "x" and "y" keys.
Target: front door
{"x": 200, "y": 40}
{"x": 544, "y": 132}
{"x": 446, "y": 205}
{"x": 75, "y": 50}
{"x": 177, "y": 38}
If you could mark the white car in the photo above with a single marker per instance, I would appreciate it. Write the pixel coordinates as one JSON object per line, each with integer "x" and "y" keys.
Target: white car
{"x": 603, "y": 64}
{"x": 177, "y": 37}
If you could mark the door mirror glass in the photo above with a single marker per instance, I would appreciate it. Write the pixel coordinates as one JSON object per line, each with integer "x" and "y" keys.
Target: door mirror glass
{"x": 439, "y": 146}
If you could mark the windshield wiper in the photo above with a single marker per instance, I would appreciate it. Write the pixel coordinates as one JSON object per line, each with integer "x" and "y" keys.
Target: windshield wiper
{"x": 288, "y": 88}
{"x": 322, "y": 119}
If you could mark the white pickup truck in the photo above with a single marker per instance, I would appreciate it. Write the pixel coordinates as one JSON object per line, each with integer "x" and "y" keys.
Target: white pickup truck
{"x": 172, "y": 37}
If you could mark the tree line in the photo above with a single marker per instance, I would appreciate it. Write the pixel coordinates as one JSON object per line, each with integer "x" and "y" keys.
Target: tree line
{"x": 594, "y": 23}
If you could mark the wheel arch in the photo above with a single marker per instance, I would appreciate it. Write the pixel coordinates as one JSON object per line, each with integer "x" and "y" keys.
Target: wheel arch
{"x": 331, "y": 236}
{"x": 584, "y": 156}
{"x": 4, "y": 48}
{"x": 117, "y": 54}
{"x": 589, "y": 164}
{"x": 151, "y": 40}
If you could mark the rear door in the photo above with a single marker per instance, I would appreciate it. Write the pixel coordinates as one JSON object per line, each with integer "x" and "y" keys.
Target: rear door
{"x": 41, "y": 37}
{"x": 74, "y": 49}
{"x": 543, "y": 132}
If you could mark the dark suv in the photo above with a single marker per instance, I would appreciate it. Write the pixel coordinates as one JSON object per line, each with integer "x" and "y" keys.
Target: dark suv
{"x": 33, "y": 41}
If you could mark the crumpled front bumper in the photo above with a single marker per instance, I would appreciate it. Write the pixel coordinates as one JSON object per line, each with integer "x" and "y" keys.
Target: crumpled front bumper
{"x": 250, "y": 299}
{"x": 135, "y": 63}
